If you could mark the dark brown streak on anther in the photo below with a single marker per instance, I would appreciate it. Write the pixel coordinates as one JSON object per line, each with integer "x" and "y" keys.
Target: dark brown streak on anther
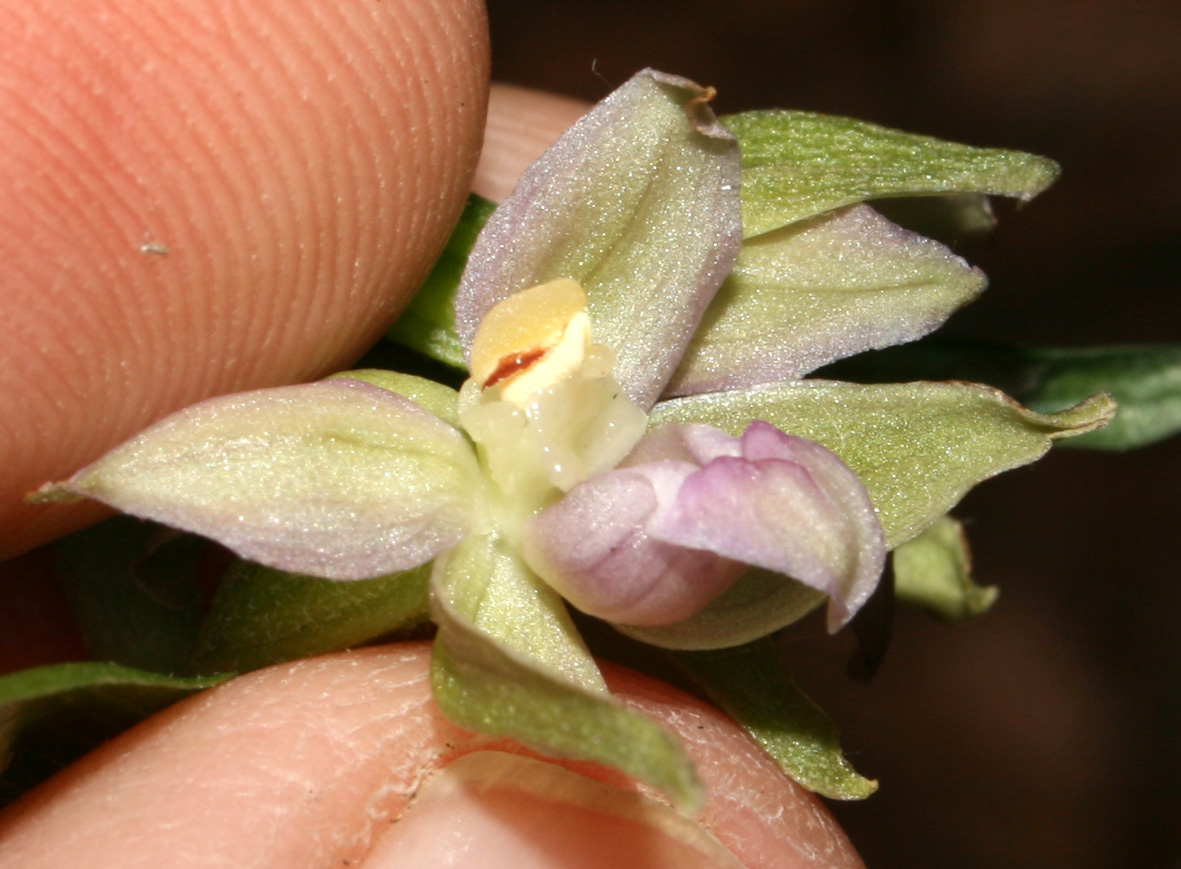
{"x": 510, "y": 365}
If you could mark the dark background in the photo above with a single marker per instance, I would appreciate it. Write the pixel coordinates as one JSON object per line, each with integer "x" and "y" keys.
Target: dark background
{"x": 1046, "y": 733}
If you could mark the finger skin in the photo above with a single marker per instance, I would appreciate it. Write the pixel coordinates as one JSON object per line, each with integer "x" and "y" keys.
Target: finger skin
{"x": 458, "y": 819}
{"x": 203, "y": 197}
{"x": 308, "y": 764}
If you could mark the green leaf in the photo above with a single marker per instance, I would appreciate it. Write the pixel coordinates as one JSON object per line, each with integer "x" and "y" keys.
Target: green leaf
{"x": 428, "y": 323}
{"x": 797, "y": 164}
{"x": 919, "y": 447}
{"x": 750, "y": 683}
{"x": 509, "y": 662}
{"x": 818, "y": 290}
{"x": 134, "y": 591}
{"x": 50, "y": 716}
{"x": 1145, "y": 380}
{"x": 262, "y": 616}
{"x": 934, "y": 571}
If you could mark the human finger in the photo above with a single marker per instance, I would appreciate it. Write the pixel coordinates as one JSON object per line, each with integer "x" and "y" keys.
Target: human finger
{"x": 343, "y": 759}
{"x": 199, "y": 198}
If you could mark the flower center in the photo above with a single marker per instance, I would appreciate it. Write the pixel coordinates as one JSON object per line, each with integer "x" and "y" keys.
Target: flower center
{"x": 533, "y": 339}
{"x": 542, "y": 404}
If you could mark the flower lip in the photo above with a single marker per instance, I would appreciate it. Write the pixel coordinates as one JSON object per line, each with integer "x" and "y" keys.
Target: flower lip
{"x": 654, "y": 542}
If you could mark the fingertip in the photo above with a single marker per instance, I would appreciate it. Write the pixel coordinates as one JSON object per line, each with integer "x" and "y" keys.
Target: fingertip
{"x": 199, "y": 199}
{"x": 493, "y": 809}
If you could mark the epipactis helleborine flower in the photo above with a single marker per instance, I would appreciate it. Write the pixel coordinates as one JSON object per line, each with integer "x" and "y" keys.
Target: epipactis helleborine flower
{"x": 637, "y": 530}
{"x": 556, "y": 473}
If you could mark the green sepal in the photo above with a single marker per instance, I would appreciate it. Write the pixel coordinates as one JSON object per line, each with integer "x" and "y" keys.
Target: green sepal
{"x": 134, "y": 591}
{"x": 751, "y": 685}
{"x": 1145, "y": 380}
{"x": 797, "y": 164}
{"x": 483, "y": 588}
{"x": 75, "y": 707}
{"x": 918, "y": 447}
{"x": 262, "y": 616}
{"x": 428, "y": 323}
{"x": 498, "y": 698}
{"x": 338, "y": 478}
{"x": 501, "y": 667}
{"x": 934, "y": 571}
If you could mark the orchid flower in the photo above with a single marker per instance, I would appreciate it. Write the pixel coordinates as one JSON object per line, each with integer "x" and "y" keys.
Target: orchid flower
{"x": 615, "y": 276}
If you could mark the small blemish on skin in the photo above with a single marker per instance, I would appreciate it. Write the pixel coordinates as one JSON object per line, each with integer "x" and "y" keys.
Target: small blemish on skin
{"x": 154, "y": 247}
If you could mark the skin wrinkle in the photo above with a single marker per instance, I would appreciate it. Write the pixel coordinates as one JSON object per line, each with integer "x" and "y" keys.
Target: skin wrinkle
{"x": 520, "y": 812}
{"x": 313, "y": 187}
{"x": 282, "y": 219}
{"x": 316, "y": 227}
{"x": 58, "y": 382}
{"x": 701, "y": 734}
{"x": 199, "y": 157}
{"x": 319, "y": 742}
{"x": 132, "y": 331}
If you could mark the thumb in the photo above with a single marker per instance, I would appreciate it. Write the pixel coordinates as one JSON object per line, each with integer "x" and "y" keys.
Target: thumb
{"x": 347, "y": 759}
{"x": 198, "y": 198}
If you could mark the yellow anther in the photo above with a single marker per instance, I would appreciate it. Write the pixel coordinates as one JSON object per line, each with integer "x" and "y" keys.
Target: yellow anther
{"x": 532, "y": 339}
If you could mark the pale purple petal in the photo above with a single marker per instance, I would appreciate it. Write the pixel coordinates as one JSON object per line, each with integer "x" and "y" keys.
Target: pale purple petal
{"x": 655, "y": 541}
{"x": 639, "y": 203}
{"x": 788, "y": 505}
{"x": 338, "y": 479}
{"x": 823, "y": 289}
{"x": 592, "y": 547}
